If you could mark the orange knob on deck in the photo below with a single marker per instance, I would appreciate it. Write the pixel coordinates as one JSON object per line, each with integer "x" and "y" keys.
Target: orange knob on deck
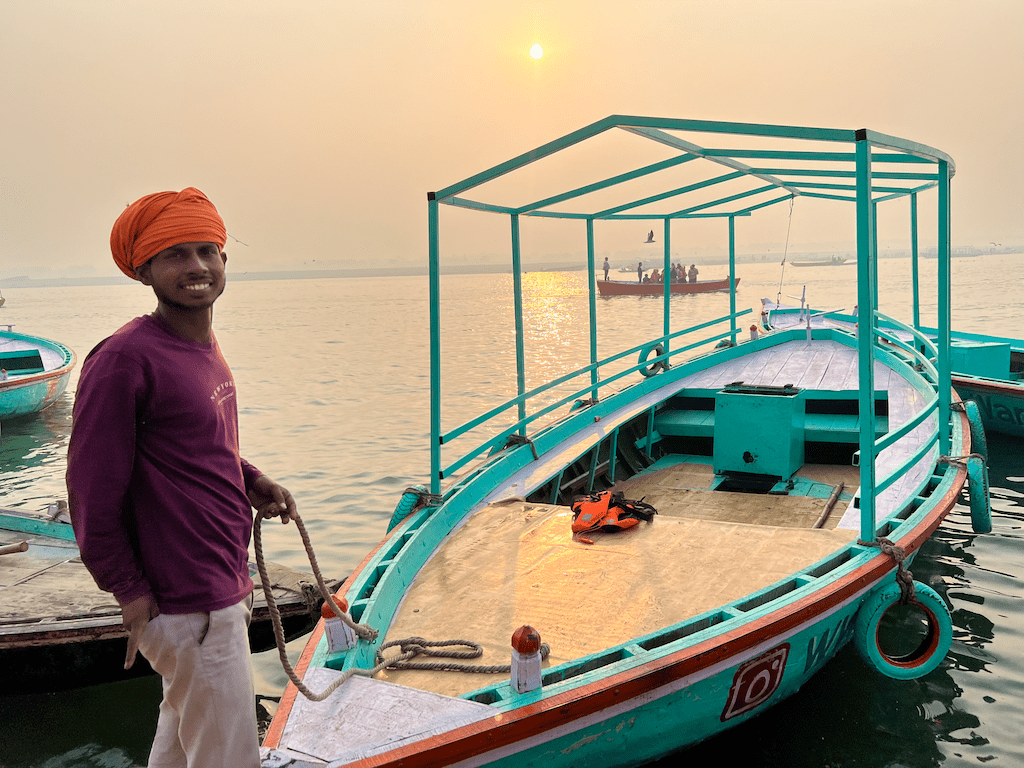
{"x": 526, "y": 639}
{"x": 328, "y": 613}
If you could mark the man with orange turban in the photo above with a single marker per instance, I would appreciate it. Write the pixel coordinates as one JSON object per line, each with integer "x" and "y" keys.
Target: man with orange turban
{"x": 160, "y": 499}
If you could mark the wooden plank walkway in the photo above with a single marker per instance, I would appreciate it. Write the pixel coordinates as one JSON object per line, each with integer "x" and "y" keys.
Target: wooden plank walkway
{"x": 830, "y": 365}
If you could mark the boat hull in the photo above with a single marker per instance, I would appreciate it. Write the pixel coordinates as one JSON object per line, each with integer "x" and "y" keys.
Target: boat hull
{"x": 1001, "y": 403}
{"x": 622, "y": 288}
{"x": 52, "y": 659}
{"x": 649, "y": 709}
{"x": 24, "y": 397}
{"x": 23, "y": 394}
{"x": 59, "y": 631}
{"x": 656, "y": 693}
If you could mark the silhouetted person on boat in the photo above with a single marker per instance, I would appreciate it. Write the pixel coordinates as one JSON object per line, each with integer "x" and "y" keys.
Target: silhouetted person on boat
{"x": 639, "y": 271}
{"x": 607, "y": 267}
{"x": 693, "y": 273}
{"x": 160, "y": 499}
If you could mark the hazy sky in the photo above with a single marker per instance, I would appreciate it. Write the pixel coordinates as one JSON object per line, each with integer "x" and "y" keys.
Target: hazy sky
{"x": 318, "y": 127}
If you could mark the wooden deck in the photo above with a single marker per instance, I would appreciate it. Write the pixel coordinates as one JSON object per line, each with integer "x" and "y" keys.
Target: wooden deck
{"x": 829, "y": 365}
{"x": 515, "y": 563}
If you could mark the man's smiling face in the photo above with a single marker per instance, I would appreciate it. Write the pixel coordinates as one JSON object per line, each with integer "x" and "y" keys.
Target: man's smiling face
{"x": 186, "y": 276}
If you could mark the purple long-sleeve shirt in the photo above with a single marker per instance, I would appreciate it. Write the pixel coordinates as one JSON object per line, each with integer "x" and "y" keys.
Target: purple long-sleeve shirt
{"x": 156, "y": 486}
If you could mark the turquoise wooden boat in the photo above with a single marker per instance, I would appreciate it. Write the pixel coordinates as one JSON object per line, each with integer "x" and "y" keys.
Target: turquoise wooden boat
{"x": 990, "y": 371}
{"x": 34, "y": 372}
{"x": 793, "y": 475}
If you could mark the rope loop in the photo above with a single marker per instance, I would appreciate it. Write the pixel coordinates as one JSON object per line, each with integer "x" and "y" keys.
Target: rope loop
{"x": 411, "y": 647}
{"x": 959, "y": 461}
{"x": 904, "y": 577}
{"x": 364, "y": 631}
{"x": 423, "y": 497}
{"x": 517, "y": 440}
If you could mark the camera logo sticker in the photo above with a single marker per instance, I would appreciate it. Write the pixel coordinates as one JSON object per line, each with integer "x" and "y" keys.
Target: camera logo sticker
{"x": 755, "y": 681}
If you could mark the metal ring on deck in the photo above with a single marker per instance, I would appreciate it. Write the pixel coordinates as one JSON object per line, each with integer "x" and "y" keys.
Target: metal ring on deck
{"x": 653, "y": 368}
{"x": 922, "y": 660}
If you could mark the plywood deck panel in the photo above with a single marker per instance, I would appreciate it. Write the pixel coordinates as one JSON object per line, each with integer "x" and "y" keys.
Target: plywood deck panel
{"x": 517, "y": 563}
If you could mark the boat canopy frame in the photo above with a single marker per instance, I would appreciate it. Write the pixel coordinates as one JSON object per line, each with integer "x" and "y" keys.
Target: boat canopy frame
{"x": 861, "y": 167}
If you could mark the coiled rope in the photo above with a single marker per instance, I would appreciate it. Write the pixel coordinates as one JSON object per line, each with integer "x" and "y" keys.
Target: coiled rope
{"x": 415, "y": 646}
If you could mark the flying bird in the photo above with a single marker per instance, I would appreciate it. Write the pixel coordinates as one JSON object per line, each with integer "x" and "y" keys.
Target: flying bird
{"x": 650, "y": 237}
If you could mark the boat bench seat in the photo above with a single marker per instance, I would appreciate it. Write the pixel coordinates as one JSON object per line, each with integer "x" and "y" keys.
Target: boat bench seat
{"x": 818, "y": 427}
{"x": 21, "y": 361}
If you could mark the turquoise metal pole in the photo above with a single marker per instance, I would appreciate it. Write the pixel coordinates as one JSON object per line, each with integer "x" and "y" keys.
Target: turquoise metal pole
{"x": 593, "y": 306}
{"x": 666, "y": 319}
{"x": 944, "y": 308}
{"x": 517, "y": 283}
{"x": 874, "y": 265}
{"x": 913, "y": 261}
{"x": 865, "y": 336}
{"x": 732, "y": 276}
{"x": 435, "y": 343}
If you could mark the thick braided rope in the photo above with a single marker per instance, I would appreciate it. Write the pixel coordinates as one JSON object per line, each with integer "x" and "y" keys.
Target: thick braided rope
{"x": 414, "y": 646}
{"x": 364, "y": 631}
{"x": 904, "y": 577}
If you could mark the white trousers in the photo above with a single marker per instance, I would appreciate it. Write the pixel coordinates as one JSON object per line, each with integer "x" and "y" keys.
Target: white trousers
{"x": 208, "y": 713}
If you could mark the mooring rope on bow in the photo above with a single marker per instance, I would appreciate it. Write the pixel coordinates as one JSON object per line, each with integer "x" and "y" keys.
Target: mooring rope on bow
{"x": 904, "y": 577}
{"x": 959, "y": 461}
{"x": 362, "y": 630}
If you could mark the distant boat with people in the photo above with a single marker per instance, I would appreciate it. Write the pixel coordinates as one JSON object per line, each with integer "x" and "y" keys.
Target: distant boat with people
{"x": 633, "y": 288}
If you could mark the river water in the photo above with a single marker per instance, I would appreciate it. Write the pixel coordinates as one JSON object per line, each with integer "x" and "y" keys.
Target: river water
{"x": 333, "y": 385}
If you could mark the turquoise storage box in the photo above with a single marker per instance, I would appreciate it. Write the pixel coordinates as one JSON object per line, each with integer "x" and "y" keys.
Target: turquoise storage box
{"x": 977, "y": 358}
{"x": 759, "y": 430}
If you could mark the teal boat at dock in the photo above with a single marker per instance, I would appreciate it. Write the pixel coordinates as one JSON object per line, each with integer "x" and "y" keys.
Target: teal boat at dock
{"x": 794, "y": 475}
{"x": 990, "y": 371}
{"x": 987, "y": 370}
{"x": 34, "y": 372}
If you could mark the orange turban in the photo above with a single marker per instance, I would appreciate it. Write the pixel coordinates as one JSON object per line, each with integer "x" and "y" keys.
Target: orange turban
{"x": 161, "y": 220}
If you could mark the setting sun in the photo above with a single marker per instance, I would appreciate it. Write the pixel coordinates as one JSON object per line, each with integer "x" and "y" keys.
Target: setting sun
{"x": 536, "y": 51}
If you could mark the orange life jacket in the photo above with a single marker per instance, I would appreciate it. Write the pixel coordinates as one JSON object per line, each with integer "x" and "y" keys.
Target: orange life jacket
{"x": 607, "y": 511}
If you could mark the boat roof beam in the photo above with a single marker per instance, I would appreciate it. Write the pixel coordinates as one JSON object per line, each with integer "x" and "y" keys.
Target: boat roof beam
{"x": 677, "y": 143}
{"x": 759, "y": 206}
{"x": 839, "y": 173}
{"x": 665, "y": 195}
{"x": 781, "y": 154}
{"x": 730, "y": 199}
{"x": 609, "y": 182}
